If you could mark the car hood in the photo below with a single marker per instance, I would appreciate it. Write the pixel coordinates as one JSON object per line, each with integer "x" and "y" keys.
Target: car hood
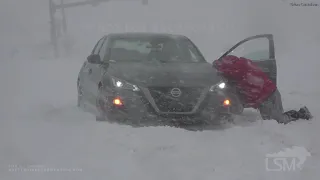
{"x": 165, "y": 74}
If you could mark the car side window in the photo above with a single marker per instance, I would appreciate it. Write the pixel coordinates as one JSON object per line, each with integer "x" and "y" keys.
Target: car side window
{"x": 97, "y": 46}
{"x": 104, "y": 49}
{"x": 255, "y": 50}
{"x": 258, "y": 55}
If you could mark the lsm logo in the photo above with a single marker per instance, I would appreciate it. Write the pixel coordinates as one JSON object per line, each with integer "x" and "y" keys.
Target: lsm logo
{"x": 291, "y": 159}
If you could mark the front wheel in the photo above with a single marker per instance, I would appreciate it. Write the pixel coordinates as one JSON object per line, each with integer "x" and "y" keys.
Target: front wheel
{"x": 227, "y": 118}
{"x": 100, "y": 106}
{"x": 100, "y": 118}
{"x": 220, "y": 119}
{"x": 104, "y": 112}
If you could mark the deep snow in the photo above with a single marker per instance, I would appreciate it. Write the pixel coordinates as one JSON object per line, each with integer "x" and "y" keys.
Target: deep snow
{"x": 40, "y": 124}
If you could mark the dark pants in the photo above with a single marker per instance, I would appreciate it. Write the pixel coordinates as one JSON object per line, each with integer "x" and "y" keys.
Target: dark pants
{"x": 272, "y": 109}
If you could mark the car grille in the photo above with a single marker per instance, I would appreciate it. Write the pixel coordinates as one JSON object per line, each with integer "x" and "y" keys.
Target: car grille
{"x": 166, "y": 102}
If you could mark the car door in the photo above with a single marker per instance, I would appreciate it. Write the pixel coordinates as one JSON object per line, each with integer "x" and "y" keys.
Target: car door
{"x": 89, "y": 83}
{"x": 98, "y": 69}
{"x": 260, "y": 49}
{"x": 102, "y": 68}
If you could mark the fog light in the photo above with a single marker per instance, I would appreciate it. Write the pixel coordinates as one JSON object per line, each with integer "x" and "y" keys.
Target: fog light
{"x": 226, "y": 102}
{"x": 117, "y": 101}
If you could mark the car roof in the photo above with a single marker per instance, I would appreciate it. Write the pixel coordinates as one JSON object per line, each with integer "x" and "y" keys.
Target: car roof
{"x": 144, "y": 34}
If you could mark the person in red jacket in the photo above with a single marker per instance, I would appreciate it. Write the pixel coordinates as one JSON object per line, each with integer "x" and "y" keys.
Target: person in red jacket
{"x": 257, "y": 89}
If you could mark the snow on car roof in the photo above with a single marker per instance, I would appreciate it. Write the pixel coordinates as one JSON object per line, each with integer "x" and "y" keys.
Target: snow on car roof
{"x": 144, "y": 34}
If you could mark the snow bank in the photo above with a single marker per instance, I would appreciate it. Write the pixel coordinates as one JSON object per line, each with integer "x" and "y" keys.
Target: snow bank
{"x": 42, "y": 126}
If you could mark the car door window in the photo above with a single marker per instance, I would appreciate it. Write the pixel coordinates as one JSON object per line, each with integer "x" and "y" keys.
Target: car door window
{"x": 104, "y": 50}
{"x": 97, "y": 46}
{"x": 260, "y": 50}
{"x": 255, "y": 50}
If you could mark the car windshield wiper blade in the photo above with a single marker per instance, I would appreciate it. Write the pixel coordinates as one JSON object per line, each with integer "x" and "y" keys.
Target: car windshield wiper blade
{"x": 162, "y": 61}
{"x": 155, "y": 60}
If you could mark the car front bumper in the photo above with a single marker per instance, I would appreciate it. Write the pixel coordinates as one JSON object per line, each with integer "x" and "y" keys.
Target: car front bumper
{"x": 140, "y": 106}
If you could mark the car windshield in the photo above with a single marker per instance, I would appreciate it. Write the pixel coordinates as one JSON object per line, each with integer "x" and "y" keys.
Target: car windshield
{"x": 148, "y": 49}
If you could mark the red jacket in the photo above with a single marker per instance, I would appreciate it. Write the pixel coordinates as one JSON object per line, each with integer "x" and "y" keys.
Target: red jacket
{"x": 254, "y": 85}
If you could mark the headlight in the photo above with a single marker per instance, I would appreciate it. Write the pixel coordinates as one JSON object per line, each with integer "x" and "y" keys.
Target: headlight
{"x": 123, "y": 84}
{"x": 220, "y": 85}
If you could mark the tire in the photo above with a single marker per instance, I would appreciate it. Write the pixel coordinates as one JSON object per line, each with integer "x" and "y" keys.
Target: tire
{"x": 236, "y": 108}
{"x": 79, "y": 101}
{"x": 221, "y": 119}
{"x": 229, "y": 118}
{"x": 236, "y": 104}
{"x": 101, "y": 116}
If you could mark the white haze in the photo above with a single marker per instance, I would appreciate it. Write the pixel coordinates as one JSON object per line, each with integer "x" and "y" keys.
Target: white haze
{"x": 40, "y": 125}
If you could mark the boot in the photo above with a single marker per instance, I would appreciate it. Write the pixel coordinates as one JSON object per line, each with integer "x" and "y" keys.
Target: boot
{"x": 305, "y": 113}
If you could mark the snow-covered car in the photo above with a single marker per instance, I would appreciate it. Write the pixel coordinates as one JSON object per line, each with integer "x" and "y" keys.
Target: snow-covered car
{"x": 145, "y": 77}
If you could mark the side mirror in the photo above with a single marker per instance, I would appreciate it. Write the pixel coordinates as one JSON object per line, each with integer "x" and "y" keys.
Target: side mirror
{"x": 94, "y": 59}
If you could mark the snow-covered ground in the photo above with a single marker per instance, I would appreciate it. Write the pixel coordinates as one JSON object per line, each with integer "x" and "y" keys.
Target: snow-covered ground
{"x": 41, "y": 126}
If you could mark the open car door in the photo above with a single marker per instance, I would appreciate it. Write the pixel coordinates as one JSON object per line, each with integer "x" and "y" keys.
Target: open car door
{"x": 259, "y": 49}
